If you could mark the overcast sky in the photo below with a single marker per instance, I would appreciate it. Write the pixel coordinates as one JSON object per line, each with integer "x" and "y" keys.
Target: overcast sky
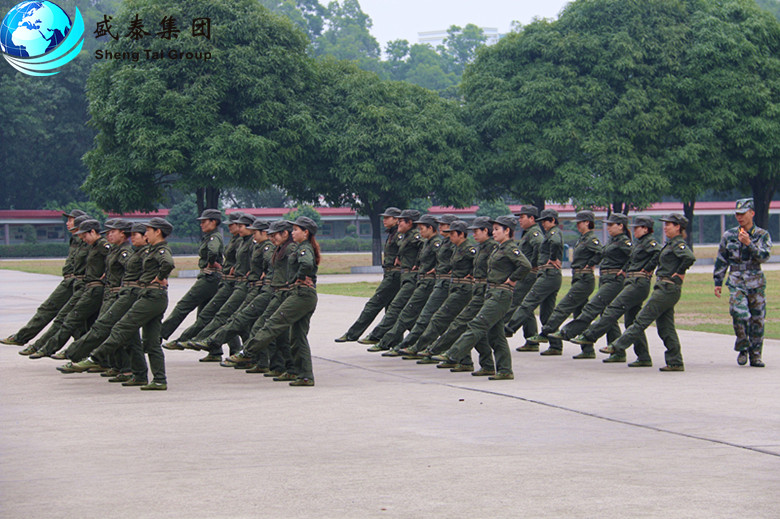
{"x": 403, "y": 19}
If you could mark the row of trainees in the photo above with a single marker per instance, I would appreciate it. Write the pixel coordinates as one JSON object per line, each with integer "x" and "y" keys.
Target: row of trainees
{"x": 452, "y": 294}
{"x": 110, "y": 290}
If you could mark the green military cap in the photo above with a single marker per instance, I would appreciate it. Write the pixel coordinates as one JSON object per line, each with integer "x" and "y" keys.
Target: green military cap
{"x": 447, "y": 218}
{"x": 744, "y": 205}
{"x": 459, "y": 226}
{"x": 643, "y": 221}
{"x": 508, "y": 220}
{"x": 75, "y": 213}
{"x": 410, "y": 214}
{"x": 77, "y": 221}
{"x": 585, "y": 216}
{"x": 210, "y": 214}
{"x": 392, "y": 211}
{"x": 304, "y": 222}
{"x": 481, "y": 222}
{"x": 428, "y": 219}
{"x": 123, "y": 225}
{"x": 162, "y": 224}
{"x": 676, "y": 218}
{"x": 109, "y": 225}
{"x": 528, "y": 210}
{"x": 232, "y": 217}
{"x": 259, "y": 225}
{"x": 617, "y": 218}
{"x": 88, "y": 226}
{"x": 245, "y": 219}
{"x": 139, "y": 228}
{"x": 548, "y": 214}
{"x": 279, "y": 226}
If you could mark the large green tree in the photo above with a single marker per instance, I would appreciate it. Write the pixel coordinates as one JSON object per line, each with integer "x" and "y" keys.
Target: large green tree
{"x": 348, "y": 35}
{"x": 196, "y": 124}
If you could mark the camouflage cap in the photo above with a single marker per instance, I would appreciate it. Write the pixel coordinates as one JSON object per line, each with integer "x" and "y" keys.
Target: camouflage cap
{"x": 245, "y": 219}
{"x": 410, "y": 214}
{"x": 392, "y": 211}
{"x": 676, "y": 218}
{"x": 75, "y": 213}
{"x": 548, "y": 214}
{"x": 528, "y": 210}
{"x": 428, "y": 219}
{"x": 259, "y": 225}
{"x": 304, "y": 222}
{"x": 162, "y": 224}
{"x": 139, "y": 228}
{"x": 585, "y": 216}
{"x": 744, "y": 205}
{"x": 459, "y": 226}
{"x": 617, "y": 218}
{"x": 643, "y": 221}
{"x": 508, "y": 220}
{"x": 481, "y": 222}
{"x": 211, "y": 214}
{"x": 446, "y": 218}
{"x": 88, "y": 226}
{"x": 279, "y": 226}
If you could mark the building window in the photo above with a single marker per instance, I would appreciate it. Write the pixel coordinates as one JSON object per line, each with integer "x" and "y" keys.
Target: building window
{"x": 327, "y": 229}
{"x": 365, "y": 229}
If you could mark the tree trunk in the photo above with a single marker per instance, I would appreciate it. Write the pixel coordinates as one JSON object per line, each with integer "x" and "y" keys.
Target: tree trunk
{"x": 538, "y": 202}
{"x": 763, "y": 191}
{"x": 200, "y": 200}
{"x": 688, "y": 213}
{"x": 212, "y": 198}
{"x": 376, "y": 235}
{"x": 620, "y": 207}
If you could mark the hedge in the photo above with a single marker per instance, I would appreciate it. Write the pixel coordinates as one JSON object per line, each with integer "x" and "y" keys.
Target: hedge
{"x": 34, "y": 250}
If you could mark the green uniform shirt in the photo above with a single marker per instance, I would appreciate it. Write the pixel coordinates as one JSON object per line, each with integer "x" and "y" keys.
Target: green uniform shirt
{"x": 426, "y": 260}
{"x": 391, "y": 248}
{"x": 211, "y": 249}
{"x": 280, "y": 258}
{"x": 158, "y": 263}
{"x": 675, "y": 258}
{"x": 462, "y": 260}
{"x": 116, "y": 262}
{"x": 443, "y": 257}
{"x": 261, "y": 260}
{"x": 96, "y": 260}
{"x": 243, "y": 255}
{"x": 302, "y": 263}
{"x": 409, "y": 244}
{"x": 616, "y": 253}
{"x": 80, "y": 258}
{"x": 73, "y": 248}
{"x": 587, "y": 251}
{"x": 644, "y": 254}
{"x": 507, "y": 262}
{"x": 530, "y": 243}
{"x": 551, "y": 248}
{"x": 230, "y": 253}
{"x": 135, "y": 264}
{"x": 484, "y": 250}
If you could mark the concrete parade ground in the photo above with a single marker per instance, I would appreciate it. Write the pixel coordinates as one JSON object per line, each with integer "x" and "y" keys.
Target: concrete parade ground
{"x": 384, "y": 437}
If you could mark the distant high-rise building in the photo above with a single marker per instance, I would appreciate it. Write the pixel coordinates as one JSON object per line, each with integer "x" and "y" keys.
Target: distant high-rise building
{"x": 436, "y": 38}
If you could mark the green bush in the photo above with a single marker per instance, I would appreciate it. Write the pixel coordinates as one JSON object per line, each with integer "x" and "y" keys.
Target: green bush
{"x": 184, "y": 248}
{"x": 347, "y": 244}
{"x": 37, "y": 250}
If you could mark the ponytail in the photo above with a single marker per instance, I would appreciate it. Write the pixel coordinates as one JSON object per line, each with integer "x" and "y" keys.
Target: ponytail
{"x": 316, "y": 247}
{"x": 281, "y": 249}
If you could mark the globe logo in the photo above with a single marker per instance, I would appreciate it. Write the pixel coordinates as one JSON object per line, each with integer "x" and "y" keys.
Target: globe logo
{"x": 37, "y": 38}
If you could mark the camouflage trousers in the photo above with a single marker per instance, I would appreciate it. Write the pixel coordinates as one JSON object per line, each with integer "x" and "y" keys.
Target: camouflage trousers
{"x": 748, "y": 310}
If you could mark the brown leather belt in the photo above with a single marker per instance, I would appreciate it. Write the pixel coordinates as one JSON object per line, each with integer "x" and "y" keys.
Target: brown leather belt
{"x": 534, "y": 270}
{"x": 208, "y": 271}
{"x": 132, "y": 284}
{"x": 427, "y": 276}
{"x": 462, "y": 281}
{"x": 640, "y": 274}
{"x": 443, "y": 276}
{"x": 582, "y": 271}
{"x": 282, "y": 289}
{"x": 609, "y": 271}
{"x": 502, "y": 286}
{"x": 68, "y": 276}
{"x": 115, "y": 290}
{"x": 94, "y": 284}
{"x": 546, "y": 267}
{"x": 155, "y": 286}
{"x": 79, "y": 277}
{"x": 392, "y": 269}
{"x": 665, "y": 280}
{"x": 480, "y": 281}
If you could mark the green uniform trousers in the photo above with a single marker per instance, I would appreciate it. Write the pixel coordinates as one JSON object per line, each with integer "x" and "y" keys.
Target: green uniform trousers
{"x": 199, "y": 294}
{"x": 659, "y": 308}
{"x": 78, "y": 319}
{"x": 458, "y": 298}
{"x": 610, "y": 285}
{"x": 628, "y": 302}
{"x": 384, "y": 295}
{"x": 47, "y": 311}
{"x": 393, "y": 338}
{"x": 459, "y": 326}
{"x": 210, "y": 310}
{"x": 226, "y": 311}
{"x": 146, "y": 313}
{"x": 542, "y": 294}
{"x": 113, "y": 308}
{"x": 522, "y": 288}
{"x": 408, "y": 285}
{"x": 292, "y": 317}
{"x": 78, "y": 289}
{"x": 438, "y": 295}
{"x": 240, "y": 325}
{"x": 488, "y": 326}
{"x": 277, "y": 355}
{"x": 582, "y": 285}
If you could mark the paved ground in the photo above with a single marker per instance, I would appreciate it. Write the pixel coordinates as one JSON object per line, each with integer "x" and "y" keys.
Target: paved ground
{"x": 380, "y": 437}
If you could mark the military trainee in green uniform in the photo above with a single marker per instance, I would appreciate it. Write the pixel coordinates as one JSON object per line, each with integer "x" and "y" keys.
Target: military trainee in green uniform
{"x": 636, "y": 286}
{"x": 506, "y": 266}
{"x": 79, "y": 267}
{"x": 88, "y": 304}
{"x": 742, "y": 250}
{"x": 614, "y": 260}
{"x": 59, "y": 297}
{"x": 391, "y": 279}
{"x": 531, "y": 240}
{"x": 483, "y": 234}
{"x": 426, "y": 279}
{"x": 587, "y": 254}
{"x": 210, "y": 254}
{"x": 441, "y": 288}
{"x": 409, "y": 243}
{"x": 674, "y": 260}
{"x": 548, "y": 280}
{"x": 461, "y": 288}
{"x": 146, "y": 313}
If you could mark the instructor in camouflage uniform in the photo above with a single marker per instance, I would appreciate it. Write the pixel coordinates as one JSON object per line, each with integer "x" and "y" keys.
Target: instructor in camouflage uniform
{"x": 742, "y": 250}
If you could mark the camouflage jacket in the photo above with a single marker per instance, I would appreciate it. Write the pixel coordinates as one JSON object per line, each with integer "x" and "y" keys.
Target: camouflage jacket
{"x": 743, "y": 260}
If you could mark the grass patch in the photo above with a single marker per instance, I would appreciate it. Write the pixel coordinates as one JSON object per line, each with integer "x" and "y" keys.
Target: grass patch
{"x": 362, "y": 289}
